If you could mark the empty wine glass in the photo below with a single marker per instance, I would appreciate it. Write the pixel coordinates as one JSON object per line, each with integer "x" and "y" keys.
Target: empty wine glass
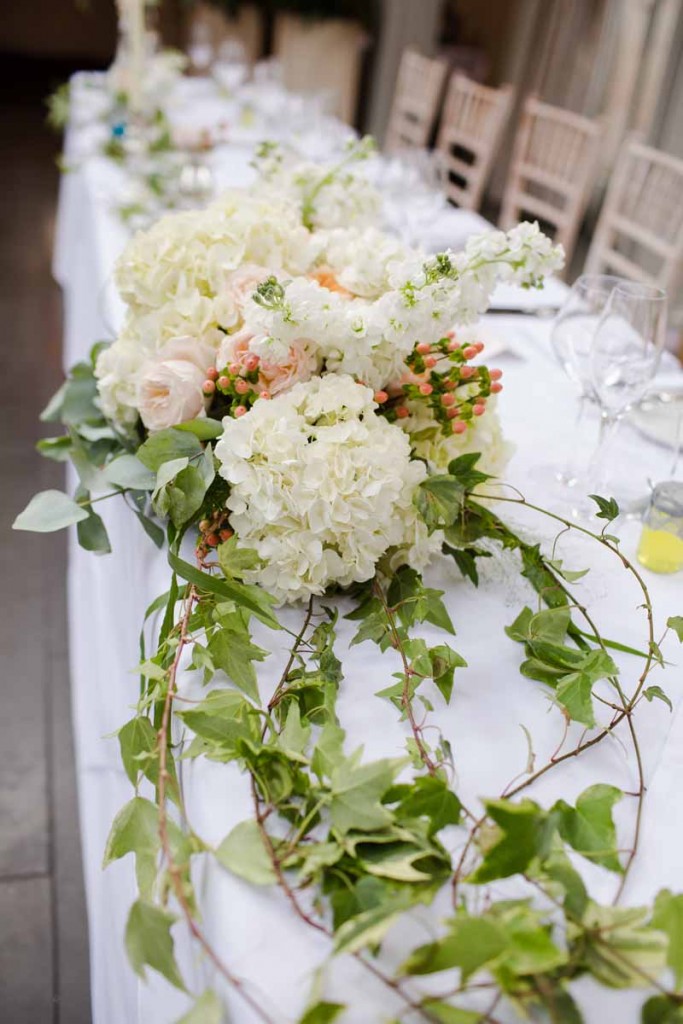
{"x": 571, "y": 339}
{"x": 231, "y": 69}
{"x": 625, "y": 354}
{"x": 200, "y": 48}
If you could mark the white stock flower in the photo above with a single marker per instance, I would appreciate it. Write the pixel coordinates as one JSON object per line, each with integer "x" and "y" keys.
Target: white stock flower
{"x": 321, "y": 487}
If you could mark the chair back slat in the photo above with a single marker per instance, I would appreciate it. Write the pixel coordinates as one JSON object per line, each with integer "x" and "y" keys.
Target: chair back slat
{"x": 417, "y": 96}
{"x": 473, "y": 121}
{"x": 640, "y": 228}
{"x": 552, "y": 171}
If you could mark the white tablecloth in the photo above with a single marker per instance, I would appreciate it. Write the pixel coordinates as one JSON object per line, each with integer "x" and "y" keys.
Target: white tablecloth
{"x": 254, "y": 929}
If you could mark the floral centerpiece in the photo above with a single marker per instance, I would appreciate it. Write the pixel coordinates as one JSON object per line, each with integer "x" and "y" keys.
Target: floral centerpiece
{"x": 291, "y": 396}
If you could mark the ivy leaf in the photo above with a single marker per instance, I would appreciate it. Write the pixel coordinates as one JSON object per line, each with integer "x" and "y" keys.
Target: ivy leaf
{"x": 92, "y": 534}
{"x": 235, "y": 561}
{"x": 574, "y": 693}
{"x": 252, "y": 598}
{"x": 656, "y": 692}
{"x": 675, "y": 622}
{"x": 369, "y": 927}
{"x": 661, "y": 1010}
{"x": 49, "y": 511}
{"x": 439, "y": 500}
{"x": 558, "y": 868}
{"x": 466, "y": 560}
{"x": 471, "y": 943}
{"x": 135, "y": 829}
{"x": 589, "y": 828}
{"x": 447, "y": 1014}
{"x": 244, "y": 853}
{"x": 149, "y": 942}
{"x": 621, "y": 950}
{"x": 668, "y": 918}
{"x": 322, "y": 1013}
{"x": 444, "y": 661}
{"x": 608, "y": 508}
{"x": 223, "y": 718}
{"x": 463, "y": 469}
{"x": 527, "y": 833}
{"x": 356, "y": 791}
{"x": 137, "y": 737}
{"x": 167, "y": 445}
{"x": 430, "y": 797}
{"x": 208, "y": 1009}
{"x": 234, "y": 653}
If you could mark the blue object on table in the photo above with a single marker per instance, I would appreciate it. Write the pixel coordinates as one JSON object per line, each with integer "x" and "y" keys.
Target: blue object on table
{"x": 118, "y": 130}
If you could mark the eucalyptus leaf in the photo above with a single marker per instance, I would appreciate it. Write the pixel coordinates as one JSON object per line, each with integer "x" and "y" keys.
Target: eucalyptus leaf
{"x": 49, "y": 511}
{"x": 166, "y": 446}
{"x": 92, "y": 534}
{"x": 128, "y": 472}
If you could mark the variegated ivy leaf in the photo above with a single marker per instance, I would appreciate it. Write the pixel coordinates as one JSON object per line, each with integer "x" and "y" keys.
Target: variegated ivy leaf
{"x": 620, "y": 948}
{"x": 589, "y": 827}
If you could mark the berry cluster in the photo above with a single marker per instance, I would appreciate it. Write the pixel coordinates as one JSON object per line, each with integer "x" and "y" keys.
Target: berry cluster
{"x": 213, "y": 530}
{"x": 234, "y": 389}
{"x": 441, "y": 375}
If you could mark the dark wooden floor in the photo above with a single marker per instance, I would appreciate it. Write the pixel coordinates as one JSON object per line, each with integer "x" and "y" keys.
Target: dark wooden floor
{"x": 43, "y": 931}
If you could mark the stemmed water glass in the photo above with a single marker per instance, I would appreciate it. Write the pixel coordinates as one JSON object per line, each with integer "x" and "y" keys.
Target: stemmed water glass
{"x": 625, "y": 354}
{"x": 571, "y": 339}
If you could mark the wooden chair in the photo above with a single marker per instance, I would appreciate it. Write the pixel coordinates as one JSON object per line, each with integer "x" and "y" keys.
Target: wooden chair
{"x": 553, "y": 165}
{"x": 639, "y": 234}
{"x": 471, "y": 127}
{"x": 417, "y": 96}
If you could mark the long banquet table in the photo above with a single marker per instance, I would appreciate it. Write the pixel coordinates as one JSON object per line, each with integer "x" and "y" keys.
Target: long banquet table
{"x": 253, "y": 928}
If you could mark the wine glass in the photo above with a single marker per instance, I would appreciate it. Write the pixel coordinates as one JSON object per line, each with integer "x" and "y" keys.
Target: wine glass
{"x": 625, "y": 354}
{"x": 231, "y": 69}
{"x": 200, "y": 49}
{"x": 571, "y": 339}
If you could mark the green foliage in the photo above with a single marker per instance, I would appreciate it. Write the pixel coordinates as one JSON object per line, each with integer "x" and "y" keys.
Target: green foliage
{"x": 675, "y": 622}
{"x": 244, "y": 853}
{"x": 208, "y": 1009}
{"x": 525, "y": 834}
{"x": 322, "y": 1013}
{"x": 49, "y": 511}
{"x": 668, "y": 918}
{"x": 149, "y": 942}
{"x": 589, "y": 828}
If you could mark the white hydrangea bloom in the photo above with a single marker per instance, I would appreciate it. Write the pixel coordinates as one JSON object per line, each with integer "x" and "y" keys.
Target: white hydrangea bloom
{"x": 321, "y": 487}
{"x": 484, "y": 435}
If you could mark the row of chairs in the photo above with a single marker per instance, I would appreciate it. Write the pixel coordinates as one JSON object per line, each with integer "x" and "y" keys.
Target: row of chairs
{"x": 639, "y": 234}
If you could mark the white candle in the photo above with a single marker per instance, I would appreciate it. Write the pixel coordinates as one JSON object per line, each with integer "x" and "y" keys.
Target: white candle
{"x": 136, "y": 28}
